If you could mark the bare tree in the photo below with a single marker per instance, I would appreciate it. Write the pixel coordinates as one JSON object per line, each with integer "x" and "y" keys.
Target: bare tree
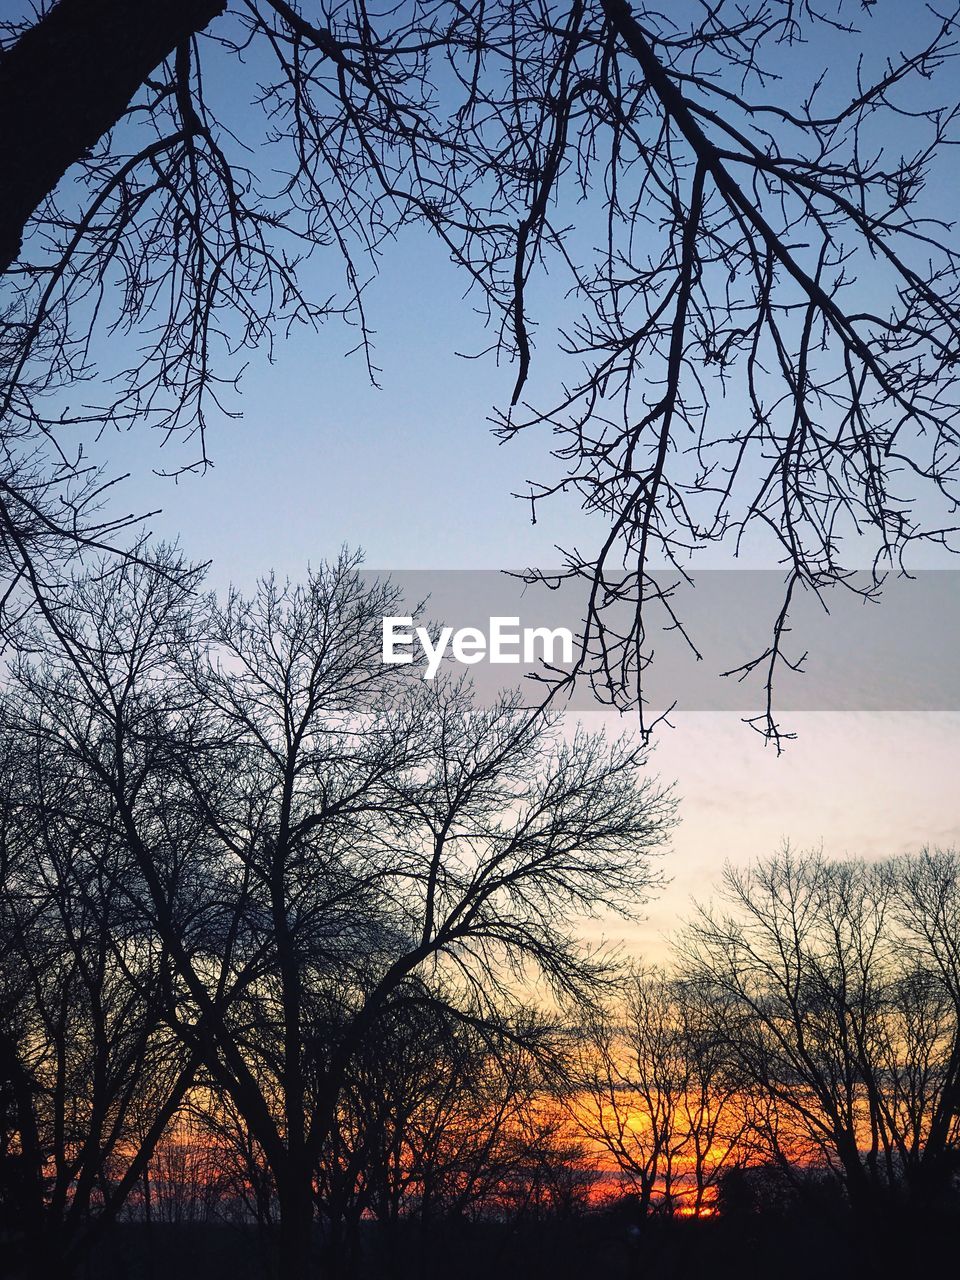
{"x": 306, "y": 833}
{"x": 717, "y": 1108}
{"x": 547, "y": 1173}
{"x": 928, "y": 910}
{"x": 658, "y": 1094}
{"x": 88, "y": 1055}
{"x": 633, "y": 1081}
{"x": 434, "y": 1116}
{"x": 849, "y": 1029}
{"x": 761, "y": 290}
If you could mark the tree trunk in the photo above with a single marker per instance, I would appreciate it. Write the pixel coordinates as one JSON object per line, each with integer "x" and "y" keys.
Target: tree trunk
{"x": 295, "y": 1252}
{"x": 67, "y": 81}
{"x": 861, "y": 1193}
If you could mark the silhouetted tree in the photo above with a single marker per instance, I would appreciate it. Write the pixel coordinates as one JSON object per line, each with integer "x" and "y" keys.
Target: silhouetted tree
{"x": 833, "y": 1014}
{"x": 659, "y": 1096}
{"x": 927, "y": 896}
{"x": 89, "y": 1064}
{"x": 547, "y": 1174}
{"x": 305, "y": 830}
{"x": 433, "y": 1123}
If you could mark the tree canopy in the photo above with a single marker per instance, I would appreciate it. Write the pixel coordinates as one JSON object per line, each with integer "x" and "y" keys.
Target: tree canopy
{"x": 739, "y": 208}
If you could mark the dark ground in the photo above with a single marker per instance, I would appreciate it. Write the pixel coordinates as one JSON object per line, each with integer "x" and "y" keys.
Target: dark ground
{"x": 600, "y": 1245}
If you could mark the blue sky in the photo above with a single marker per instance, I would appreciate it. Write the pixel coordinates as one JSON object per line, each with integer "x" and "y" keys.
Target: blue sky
{"x": 410, "y": 472}
{"x": 321, "y": 458}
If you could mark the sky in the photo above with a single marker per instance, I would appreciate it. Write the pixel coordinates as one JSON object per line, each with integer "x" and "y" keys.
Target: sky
{"x": 411, "y": 473}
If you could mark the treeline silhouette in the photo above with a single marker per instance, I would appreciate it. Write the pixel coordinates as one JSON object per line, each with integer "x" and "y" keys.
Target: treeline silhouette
{"x": 292, "y": 978}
